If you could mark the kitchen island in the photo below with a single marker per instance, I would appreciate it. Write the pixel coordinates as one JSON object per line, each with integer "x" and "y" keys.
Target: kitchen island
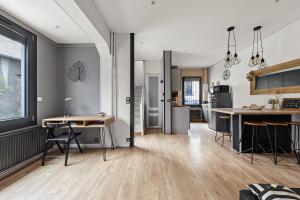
{"x": 239, "y": 115}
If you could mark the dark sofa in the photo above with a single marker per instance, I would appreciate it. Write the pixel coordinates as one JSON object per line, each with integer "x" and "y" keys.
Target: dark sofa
{"x": 247, "y": 194}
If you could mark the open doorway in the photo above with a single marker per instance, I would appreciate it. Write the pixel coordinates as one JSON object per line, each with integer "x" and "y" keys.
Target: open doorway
{"x": 147, "y": 104}
{"x": 192, "y": 97}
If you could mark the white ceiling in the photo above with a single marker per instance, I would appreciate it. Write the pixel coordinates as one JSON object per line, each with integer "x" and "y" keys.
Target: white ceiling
{"x": 46, "y": 17}
{"x": 196, "y": 27}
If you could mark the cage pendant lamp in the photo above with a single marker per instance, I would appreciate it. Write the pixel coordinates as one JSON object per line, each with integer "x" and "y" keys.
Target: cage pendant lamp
{"x": 257, "y": 59}
{"x": 231, "y": 59}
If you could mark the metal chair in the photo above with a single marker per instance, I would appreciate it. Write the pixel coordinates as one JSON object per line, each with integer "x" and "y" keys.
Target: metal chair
{"x": 224, "y": 132}
{"x": 255, "y": 125}
{"x": 66, "y": 137}
{"x": 275, "y": 126}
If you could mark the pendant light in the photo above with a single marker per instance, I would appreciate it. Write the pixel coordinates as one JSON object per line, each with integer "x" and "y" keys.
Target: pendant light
{"x": 229, "y": 58}
{"x": 257, "y": 59}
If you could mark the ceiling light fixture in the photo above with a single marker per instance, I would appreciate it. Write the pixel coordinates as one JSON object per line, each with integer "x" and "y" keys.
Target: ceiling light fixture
{"x": 257, "y": 60}
{"x": 229, "y": 58}
{"x": 153, "y": 2}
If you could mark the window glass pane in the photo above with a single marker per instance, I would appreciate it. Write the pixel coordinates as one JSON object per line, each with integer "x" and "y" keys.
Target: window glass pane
{"x": 12, "y": 79}
{"x": 192, "y": 91}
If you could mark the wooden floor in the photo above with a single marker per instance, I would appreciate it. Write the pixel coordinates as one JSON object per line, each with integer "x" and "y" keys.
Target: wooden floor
{"x": 159, "y": 167}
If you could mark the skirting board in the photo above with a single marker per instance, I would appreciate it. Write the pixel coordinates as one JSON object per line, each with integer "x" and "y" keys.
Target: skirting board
{"x": 95, "y": 146}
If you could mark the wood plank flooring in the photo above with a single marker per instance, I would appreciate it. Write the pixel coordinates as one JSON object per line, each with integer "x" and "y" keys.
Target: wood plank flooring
{"x": 159, "y": 167}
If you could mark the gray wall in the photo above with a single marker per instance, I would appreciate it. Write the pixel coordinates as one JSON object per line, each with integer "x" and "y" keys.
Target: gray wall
{"x": 85, "y": 94}
{"x": 53, "y": 62}
{"x": 49, "y": 80}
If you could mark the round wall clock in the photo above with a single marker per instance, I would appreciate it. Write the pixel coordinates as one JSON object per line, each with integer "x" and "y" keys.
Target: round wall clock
{"x": 226, "y": 75}
{"x": 77, "y": 72}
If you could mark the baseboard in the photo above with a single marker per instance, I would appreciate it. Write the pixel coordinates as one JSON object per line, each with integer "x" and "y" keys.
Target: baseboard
{"x": 95, "y": 146}
{"x": 86, "y": 146}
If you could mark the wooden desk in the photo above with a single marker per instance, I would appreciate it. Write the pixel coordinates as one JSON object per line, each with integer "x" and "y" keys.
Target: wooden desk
{"x": 100, "y": 122}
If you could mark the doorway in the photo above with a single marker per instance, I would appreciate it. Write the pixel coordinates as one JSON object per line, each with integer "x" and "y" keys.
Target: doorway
{"x": 192, "y": 96}
{"x": 153, "y": 106}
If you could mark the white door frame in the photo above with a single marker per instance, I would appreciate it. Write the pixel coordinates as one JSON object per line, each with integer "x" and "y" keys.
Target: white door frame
{"x": 158, "y": 100}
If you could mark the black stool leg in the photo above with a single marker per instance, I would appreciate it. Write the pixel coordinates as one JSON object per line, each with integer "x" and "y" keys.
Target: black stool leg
{"x": 241, "y": 139}
{"x": 298, "y": 144}
{"x": 275, "y": 144}
{"x": 253, "y": 132}
{"x": 224, "y": 128}
{"x": 270, "y": 143}
{"x": 291, "y": 139}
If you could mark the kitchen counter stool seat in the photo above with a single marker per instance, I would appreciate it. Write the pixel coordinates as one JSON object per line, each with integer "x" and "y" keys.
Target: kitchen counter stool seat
{"x": 224, "y": 132}
{"x": 255, "y": 125}
{"x": 275, "y": 126}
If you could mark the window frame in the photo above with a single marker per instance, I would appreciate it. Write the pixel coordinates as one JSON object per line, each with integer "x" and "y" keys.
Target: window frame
{"x": 200, "y": 90}
{"x": 14, "y": 31}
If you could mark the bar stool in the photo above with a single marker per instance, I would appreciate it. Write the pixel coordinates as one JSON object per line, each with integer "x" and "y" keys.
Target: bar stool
{"x": 255, "y": 125}
{"x": 277, "y": 125}
{"x": 296, "y": 125}
{"x": 226, "y": 119}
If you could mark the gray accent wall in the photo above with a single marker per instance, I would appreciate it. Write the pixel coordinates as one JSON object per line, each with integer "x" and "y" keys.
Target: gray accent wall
{"x": 85, "y": 94}
{"x": 49, "y": 80}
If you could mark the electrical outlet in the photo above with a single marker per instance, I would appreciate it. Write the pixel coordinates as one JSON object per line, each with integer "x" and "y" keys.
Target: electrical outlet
{"x": 127, "y": 139}
{"x": 96, "y": 140}
{"x": 40, "y": 99}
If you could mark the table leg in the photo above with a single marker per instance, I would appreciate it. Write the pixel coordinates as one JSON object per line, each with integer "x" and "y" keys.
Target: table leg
{"x": 111, "y": 137}
{"x": 102, "y": 142}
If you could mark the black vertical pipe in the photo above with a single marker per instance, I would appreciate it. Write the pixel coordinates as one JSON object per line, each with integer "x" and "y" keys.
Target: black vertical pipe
{"x": 131, "y": 89}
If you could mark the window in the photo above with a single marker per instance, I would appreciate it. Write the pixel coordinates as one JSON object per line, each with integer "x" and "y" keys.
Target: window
{"x": 17, "y": 76}
{"x": 192, "y": 91}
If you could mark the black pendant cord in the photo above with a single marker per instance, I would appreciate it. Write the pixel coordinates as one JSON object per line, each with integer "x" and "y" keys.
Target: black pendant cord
{"x": 261, "y": 45}
{"x": 228, "y": 42}
{"x": 257, "y": 41}
{"x": 253, "y": 43}
{"x": 234, "y": 42}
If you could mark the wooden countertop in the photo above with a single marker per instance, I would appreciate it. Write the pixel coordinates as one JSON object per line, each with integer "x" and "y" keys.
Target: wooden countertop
{"x": 266, "y": 111}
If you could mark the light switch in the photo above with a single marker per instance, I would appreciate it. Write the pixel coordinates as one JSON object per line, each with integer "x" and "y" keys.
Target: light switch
{"x": 40, "y": 99}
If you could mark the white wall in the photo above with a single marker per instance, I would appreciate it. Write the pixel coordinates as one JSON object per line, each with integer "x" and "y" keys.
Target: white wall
{"x": 139, "y": 73}
{"x": 122, "y": 78}
{"x": 282, "y": 46}
{"x": 152, "y": 66}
